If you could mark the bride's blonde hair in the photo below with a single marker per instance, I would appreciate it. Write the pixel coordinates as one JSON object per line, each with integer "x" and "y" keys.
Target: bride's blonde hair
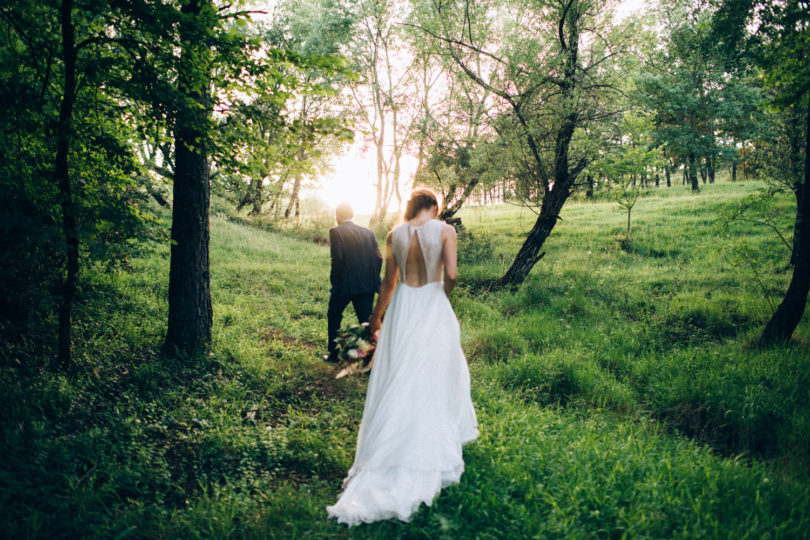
{"x": 421, "y": 198}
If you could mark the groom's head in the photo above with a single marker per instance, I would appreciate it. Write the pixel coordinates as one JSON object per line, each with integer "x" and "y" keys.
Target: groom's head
{"x": 343, "y": 212}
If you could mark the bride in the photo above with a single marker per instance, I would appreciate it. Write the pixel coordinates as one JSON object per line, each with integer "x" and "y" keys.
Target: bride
{"x": 418, "y": 412}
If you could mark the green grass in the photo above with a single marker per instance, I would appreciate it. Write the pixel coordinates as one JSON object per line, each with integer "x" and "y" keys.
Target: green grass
{"x": 619, "y": 391}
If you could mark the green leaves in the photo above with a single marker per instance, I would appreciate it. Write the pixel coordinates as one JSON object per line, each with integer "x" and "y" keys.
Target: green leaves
{"x": 288, "y": 120}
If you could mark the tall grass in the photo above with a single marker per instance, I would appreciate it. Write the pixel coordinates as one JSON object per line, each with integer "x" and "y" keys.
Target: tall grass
{"x": 619, "y": 391}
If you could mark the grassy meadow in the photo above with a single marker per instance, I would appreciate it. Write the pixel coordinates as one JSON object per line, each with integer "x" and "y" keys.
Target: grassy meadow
{"x": 620, "y": 392}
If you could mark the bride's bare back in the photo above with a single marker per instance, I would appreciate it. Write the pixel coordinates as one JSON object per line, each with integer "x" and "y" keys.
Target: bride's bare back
{"x": 416, "y": 273}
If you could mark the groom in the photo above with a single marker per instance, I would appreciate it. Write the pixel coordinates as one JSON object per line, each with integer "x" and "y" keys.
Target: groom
{"x": 355, "y": 276}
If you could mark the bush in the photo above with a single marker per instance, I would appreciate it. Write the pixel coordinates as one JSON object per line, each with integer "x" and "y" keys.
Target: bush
{"x": 474, "y": 249}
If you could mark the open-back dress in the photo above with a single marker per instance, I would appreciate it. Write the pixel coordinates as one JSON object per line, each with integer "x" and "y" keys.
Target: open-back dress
{"x": 418, "y": 412}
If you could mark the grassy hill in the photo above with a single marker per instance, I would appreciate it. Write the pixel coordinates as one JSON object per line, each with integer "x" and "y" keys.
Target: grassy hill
{"x": 619, "y": 391}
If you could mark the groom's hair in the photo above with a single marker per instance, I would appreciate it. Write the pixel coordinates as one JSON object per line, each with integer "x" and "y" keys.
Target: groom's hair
{"x": 421, "y": 198}
{"x": 344, "y": 212}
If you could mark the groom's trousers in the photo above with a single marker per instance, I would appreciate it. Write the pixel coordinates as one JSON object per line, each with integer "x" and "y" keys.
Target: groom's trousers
{"x": 363, "y": 306}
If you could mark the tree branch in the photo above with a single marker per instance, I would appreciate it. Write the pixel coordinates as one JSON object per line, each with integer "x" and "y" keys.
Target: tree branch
{"x": 236, "y": 14}
{"x": 470, "y": 46}
{"x": 561, "y": 26}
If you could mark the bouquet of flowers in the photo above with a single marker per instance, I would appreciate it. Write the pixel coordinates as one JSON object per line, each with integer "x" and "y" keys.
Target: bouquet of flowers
{"x": 355, "y": 350}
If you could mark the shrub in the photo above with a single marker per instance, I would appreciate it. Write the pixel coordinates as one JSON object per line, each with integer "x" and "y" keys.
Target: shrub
{"x": 474, "y": 249}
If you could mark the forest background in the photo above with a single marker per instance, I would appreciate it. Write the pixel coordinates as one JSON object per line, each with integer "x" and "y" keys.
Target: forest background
{"x": 629, "y": 192}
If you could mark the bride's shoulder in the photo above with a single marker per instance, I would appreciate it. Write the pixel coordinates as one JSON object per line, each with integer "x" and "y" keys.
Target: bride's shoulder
{"x": 396, "y": 228}
{"x": 396, "y": 231}
{"x": 448, "y": 231}
{"x": 446, "y": 227}
{"x": 437, "y": 224}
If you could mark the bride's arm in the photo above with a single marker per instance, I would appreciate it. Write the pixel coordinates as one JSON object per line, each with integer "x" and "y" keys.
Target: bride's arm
{"x": 449, "y": 258}
{"x": 389, "y": 281}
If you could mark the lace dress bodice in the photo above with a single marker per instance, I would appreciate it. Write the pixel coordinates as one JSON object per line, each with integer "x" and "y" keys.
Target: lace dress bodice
{"x": 429, "y": 235}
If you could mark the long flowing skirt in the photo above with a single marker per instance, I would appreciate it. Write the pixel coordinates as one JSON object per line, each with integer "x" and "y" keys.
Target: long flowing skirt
{"x": 418, "y": 412}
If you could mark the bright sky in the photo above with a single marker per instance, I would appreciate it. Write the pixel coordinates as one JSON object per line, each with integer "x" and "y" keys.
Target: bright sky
{"x": 355, "y": 172}
{"x": 354, "y": 179}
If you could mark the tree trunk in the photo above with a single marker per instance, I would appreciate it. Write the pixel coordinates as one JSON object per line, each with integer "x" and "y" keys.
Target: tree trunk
{"x": 744, "y": 165}
{"x": 69, "y": 219}
{"x": 190, "y": 312}
{"x": 245, "y": 200}
{"x": 733, "y": 171}
{"x": 293, "y": 198}
{"x": 787, "y": 316}
{"x": 629, "y": 209}
{"x": 455, "y": 206}
{"x": 257, "y": 196}
{"x": 275, "y": 198}
{"x": 376, "y": 216}
{"x": 798, "y": 191}
{"x": 693, "y": 174}
{"x": 795, "y": 136}
{"x": 710, "y": 168}
{"x": 589, "y": 189}
{"x": 667, "y": 173}
{"x": 530, "y": 252}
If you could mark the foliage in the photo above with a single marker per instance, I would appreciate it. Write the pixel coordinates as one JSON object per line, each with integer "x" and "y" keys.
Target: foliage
{"x": 626, "y": 164}
{"x": 550, "y": 72}
{"x": 617, "y": 381}
{"x": 293, "y": 119}
{"x": 781, "y": 39}
{"x": 110, "y": 209}
{"x": 452, "y": 119}
{"x": 700, "y": 111}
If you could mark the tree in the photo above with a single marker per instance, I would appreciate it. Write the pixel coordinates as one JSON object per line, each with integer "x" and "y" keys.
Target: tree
{"x": 64, "y": 128}
{"x": 314, "y": 34}
{"x": 187, "y": 61}
{"x": 263, "y": 150}
{"x": 627, "y": 159}
{"x": 624, "y": 168}
{"x": 190, "y": 311}
{"x": 452, "y": 120}
{"x": 63, "y": 67}
{"x": 781, "y": 48}
{"x": 385, "y": 88}
{"x": 551, "y": 73}
{"x": 701, "y": 111}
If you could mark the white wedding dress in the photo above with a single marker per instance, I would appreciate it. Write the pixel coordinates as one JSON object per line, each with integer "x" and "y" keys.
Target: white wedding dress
{"x": 418, "y": 411}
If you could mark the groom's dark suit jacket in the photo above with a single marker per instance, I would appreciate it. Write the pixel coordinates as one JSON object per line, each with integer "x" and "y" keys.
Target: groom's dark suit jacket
{"x": 356, "y": 260}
